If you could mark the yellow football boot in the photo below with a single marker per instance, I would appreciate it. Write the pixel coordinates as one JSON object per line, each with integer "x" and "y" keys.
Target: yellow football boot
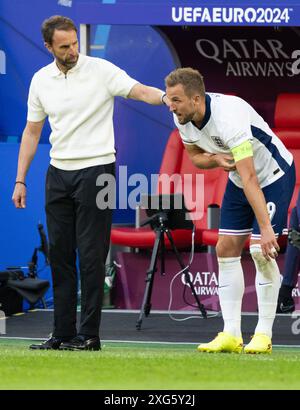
{"x": 260, "y": 343}
{"x": 223, "y": 343}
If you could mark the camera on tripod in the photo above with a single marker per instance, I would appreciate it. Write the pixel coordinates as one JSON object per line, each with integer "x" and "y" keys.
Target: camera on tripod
{"x": 165, "y": 213}
{"x": 15, "y": 285}
{"x": 169, "y": 208}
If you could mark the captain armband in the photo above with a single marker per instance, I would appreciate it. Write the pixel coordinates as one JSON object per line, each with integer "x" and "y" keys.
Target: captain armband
{"x": 242, "y": 151}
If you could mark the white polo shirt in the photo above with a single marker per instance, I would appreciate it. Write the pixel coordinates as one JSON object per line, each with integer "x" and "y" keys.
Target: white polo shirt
{"x": 79, "y": 106}
{"x": 228, "y": 122}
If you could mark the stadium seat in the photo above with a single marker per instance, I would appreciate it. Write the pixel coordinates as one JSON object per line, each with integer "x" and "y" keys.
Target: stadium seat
{"x": 287, "y": 128}
{"x": 293, "y": 145}
{"x": 287, "y": 115}
{"x": 176, "y": 161}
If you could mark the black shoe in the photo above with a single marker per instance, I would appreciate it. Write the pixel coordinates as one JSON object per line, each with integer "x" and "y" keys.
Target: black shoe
{"x": 285, "y": 302}
{"x": 51, "y": 344}
{"x": 285, "y": 305}
{"x": 82, "y": 342}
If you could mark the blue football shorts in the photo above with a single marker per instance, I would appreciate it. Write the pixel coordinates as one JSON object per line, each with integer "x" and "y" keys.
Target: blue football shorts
{"x": 237, "y": 216}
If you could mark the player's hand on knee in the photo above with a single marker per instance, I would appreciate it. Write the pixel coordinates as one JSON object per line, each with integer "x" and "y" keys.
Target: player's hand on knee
{"x": 269, "y": 245}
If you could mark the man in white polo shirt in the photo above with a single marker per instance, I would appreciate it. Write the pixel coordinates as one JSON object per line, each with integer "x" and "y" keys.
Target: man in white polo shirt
{"x": 77, "y": 93}
{"x": 225, "y": 131}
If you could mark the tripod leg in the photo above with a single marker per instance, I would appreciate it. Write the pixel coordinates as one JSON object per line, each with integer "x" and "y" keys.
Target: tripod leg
{"x": 162, "y": 255}
{"x": 175, "y": 250}
{"x": 186, "y": 275}
{"x": 146, "y": 304}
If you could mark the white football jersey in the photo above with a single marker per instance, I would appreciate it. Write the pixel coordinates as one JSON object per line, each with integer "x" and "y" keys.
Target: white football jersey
{"x": 228, "y": 122}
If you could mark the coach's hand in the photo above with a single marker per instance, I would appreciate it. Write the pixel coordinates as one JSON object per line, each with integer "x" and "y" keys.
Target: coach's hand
{"x": 19, "y": 195}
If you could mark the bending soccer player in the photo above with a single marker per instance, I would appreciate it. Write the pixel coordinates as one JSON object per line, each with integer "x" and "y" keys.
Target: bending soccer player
{"x": 225, "y": 131}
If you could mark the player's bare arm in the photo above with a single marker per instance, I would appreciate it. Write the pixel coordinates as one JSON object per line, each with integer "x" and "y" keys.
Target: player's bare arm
{"x": 206, "y": 160}
{"x": 255, "y": 196}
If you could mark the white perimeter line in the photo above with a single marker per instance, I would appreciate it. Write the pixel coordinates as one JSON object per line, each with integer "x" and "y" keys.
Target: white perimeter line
{"x": 134, "y": 341}
{"x": 173, "y": 312}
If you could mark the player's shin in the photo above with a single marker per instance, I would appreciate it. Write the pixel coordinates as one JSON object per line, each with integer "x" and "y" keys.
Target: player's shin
{"x": 267, "y": 287}
{"x": 231, "y": 290}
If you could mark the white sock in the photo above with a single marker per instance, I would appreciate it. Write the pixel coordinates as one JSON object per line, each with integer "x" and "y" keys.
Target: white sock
{"x": 231, "y": 290}
{"x": 267, "y": 284}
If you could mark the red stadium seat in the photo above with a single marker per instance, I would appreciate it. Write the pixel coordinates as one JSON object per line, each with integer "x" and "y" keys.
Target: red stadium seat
{"x": 287, "y": 127}
{"x": 293, "y": 145}
{"x": 287, "y": 115}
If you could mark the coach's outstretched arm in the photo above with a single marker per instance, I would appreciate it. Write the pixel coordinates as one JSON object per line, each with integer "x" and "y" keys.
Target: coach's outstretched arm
{"x": 147, "y": 94}
{"x": 30, "y": 139}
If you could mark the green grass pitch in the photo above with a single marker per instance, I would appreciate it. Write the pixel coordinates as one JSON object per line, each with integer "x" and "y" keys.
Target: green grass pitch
{"x": 129, "y": 366}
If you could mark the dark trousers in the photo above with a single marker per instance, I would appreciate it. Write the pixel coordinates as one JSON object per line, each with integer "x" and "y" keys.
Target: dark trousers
{"x": 75, "y": 222}
{"x": 292, "y": 255}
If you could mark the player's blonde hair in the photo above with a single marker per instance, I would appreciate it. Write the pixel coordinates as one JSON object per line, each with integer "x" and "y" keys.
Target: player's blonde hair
{"x": 191, "y": 80}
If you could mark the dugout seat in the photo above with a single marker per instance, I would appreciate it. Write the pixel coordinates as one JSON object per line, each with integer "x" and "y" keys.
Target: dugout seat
{"x": 292, "y": 142}
{"x": 287, "y": 115}
{"x": 176, "y": 161}
{"x": 287, "y": 128}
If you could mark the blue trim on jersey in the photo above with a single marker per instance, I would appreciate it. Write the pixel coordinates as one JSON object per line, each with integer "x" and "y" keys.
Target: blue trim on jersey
{"x": 187, "y": 141}
{"x": 207, "y": 111}
{"x": 266, "y": 139}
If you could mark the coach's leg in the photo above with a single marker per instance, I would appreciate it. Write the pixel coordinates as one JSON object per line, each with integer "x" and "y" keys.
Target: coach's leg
{"x": 62, "y": 250}
{"x": 93, "y": 227}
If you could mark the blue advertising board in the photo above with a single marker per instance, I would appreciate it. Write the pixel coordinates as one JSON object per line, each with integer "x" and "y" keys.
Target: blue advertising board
{"x": 204, "y": 13}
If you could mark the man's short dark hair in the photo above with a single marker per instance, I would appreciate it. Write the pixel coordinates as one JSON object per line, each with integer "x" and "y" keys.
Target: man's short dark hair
{"x": 56, "y": 23}
{"x": 191, "y": 80}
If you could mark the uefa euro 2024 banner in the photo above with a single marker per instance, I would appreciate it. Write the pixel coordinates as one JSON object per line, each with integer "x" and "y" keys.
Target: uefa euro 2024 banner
{"x": 191, "y": 12}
